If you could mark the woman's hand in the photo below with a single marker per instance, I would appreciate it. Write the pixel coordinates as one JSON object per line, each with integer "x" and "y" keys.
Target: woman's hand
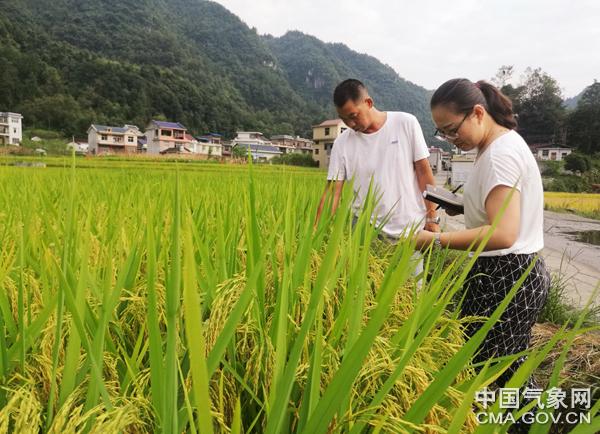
{"x": 423, "y": 239}
{"x": 432, "y": 227}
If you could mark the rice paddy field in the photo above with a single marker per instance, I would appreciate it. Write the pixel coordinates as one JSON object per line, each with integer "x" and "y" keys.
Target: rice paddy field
{"x": 581, "y": 203}
{"x": 142, "y": 297}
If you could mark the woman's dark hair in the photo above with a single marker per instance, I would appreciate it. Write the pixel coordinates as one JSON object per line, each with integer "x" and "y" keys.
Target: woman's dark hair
{"x": 461, "y": 95}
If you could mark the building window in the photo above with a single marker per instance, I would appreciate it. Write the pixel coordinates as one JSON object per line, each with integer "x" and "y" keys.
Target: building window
{"x": 316, "y": 152}
{"x": 15, "y": 130}
{"x": 165, "y": 133}
{"x": 117, "y": 139}
{"x": 327, "y": 131}
{"x": 103, "y": 137}
{"x": 130, "y": 139}
{"x": 545, "y": 153}
{"x": 15, "y": 141}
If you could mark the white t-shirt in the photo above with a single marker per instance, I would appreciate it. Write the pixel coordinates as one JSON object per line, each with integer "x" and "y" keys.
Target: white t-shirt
{"x": 508, "y": 161}
{"x": 387, "y": 156}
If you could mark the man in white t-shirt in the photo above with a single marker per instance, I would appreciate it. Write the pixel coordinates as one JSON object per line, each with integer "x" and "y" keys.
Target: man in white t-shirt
{"x": 389, "y": 148}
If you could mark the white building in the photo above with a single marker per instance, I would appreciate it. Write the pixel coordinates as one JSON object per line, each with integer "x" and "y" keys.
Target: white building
{"x": 261, "y": 148}
{"x": 261, "y": 153}
{"x": 435, "y": 158}
{"x": 78, "y": 147}
{"x": 544, "y": 152}
{"x": 250, "y": 138}
{"x": 104, "y": 139}
{"x": 11, "y": 128}
{"x": 209, "y": 145}
{"x": 292, "y": 145}
{"x": 167, "y": 137}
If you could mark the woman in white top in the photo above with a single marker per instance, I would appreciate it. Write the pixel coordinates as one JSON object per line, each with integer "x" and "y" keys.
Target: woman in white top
{"x": 478, "y": 116}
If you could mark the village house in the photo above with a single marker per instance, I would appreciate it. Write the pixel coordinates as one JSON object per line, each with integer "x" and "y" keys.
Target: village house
{"x": 250, "y": 138}
{"x": 210, "y": 145}
{"x": 324, "y": 134}
{"x": 11, "y": 128}
{"x": 104, "y": 139}
{"x": 167, "y": 137}
{"x": 142, "y": 144}
{"x": 435, "y": 158}
{"x": 289, "y": 144}
{"x": 260, "y": 147}
{"x": 80, "y": 147}
{"x": 548, "y": 152}
{"x": 261, "y": 153}
{"x": 227, "y": 148}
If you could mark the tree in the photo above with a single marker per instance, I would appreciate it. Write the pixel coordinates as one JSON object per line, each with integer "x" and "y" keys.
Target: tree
{"x": 551, "y": 168}
{"x": 57, "y": 112}
{"x": 576, "y": 162}
{"x": 584, "y": 122}
{"x": 503, "y": 76}
{"x": 539, "y": 108}
{"x": 502, "y": 81}
{"x": 239, "y": 152}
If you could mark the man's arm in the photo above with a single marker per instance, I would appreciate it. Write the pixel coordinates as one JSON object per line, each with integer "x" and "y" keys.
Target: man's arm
{"x": 424, "y": 177}
{"x": 337, "y": 194}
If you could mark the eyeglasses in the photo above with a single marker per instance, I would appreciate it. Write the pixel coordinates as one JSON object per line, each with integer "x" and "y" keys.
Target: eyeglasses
{"x": 452, "y": 134}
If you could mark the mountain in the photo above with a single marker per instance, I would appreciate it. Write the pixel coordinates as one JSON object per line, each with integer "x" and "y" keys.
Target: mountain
{"x": 571, "y": 103}
{"x": 70, "y": 63}
{"x": 314, "y": 68}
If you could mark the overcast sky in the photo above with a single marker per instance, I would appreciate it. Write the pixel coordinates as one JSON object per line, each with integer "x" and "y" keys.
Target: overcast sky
{"x": 430, "y": 41}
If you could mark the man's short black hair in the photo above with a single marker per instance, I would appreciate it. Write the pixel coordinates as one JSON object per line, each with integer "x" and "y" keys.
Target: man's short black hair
{"x": 348, "y": 90}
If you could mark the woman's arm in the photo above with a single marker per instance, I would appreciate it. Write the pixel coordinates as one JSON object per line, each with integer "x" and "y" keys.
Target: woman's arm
{"x": 505, "y": 234}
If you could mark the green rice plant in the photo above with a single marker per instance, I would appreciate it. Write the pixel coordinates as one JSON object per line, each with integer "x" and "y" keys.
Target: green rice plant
{"x": 154, "y": 296}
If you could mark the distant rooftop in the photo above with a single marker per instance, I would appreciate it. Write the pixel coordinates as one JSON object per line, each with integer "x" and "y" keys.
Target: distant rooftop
{"x": 330, "y": 123}
{"x": 175, "y": 125}
{"x": 260, "y": 148}
{"x": 536, "y": 146}
{"x": 108, "y": 128}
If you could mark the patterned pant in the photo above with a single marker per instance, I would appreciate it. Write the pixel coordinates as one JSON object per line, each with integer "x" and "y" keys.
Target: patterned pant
{"x": 488, "y": 283}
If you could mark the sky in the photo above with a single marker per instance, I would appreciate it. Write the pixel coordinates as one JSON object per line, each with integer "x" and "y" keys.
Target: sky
{"x": 431, "y": 41}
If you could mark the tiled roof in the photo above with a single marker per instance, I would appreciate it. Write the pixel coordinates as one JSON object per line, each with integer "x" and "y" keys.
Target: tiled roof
{"x": 536, "y": 146}
{"x": 175, "y": 125}
{"x": 330, "y": 123}
{"x": 106, "y": 128}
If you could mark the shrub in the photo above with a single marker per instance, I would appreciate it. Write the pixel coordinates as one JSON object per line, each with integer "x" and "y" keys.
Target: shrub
{"x": 578, "y": 163}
